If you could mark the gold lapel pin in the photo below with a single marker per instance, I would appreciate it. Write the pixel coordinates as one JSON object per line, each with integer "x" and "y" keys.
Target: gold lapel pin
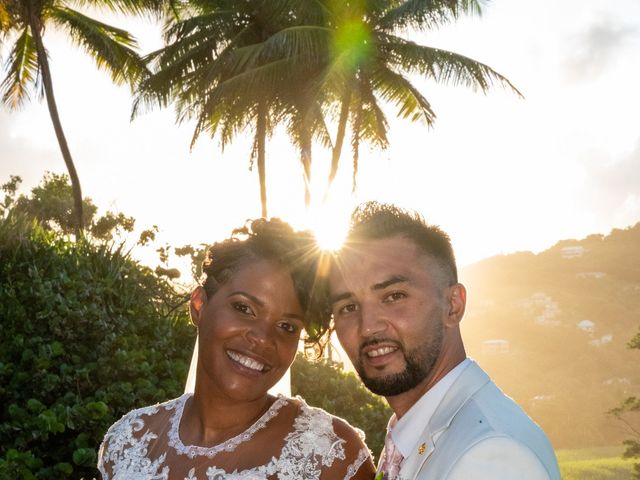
{"x": 422, "y": 448}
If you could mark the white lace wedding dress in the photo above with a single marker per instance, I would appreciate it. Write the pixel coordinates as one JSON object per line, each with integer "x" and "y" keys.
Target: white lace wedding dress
{"x": 307, "y": 443}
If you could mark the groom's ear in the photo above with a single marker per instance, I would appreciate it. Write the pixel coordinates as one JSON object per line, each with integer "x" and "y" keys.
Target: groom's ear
{"x": 196, "y": 304}
{"x": 457, "y": 304}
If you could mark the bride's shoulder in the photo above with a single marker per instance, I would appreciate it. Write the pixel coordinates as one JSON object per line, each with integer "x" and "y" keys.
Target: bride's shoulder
{"x": 321, "y": 417}
{"x": 340, "y": 445}
{"x": 135, "y": 419}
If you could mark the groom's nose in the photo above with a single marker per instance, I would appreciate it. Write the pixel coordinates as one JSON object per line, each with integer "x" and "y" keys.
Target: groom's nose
{"x": 373, "y": 320}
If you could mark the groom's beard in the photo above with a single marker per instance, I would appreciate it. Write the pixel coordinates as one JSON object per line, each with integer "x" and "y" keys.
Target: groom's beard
{"x": 419, "y": 363}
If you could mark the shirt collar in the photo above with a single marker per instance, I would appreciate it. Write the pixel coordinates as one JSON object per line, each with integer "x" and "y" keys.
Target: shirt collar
{"x": 406, "y": 431}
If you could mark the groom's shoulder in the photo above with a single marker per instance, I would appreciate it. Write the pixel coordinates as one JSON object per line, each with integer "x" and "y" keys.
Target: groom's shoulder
{"x": 490, "y": 423}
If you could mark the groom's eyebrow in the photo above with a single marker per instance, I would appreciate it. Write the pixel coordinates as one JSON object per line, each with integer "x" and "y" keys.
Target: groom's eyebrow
{"x": 339, "y": 297}
{"x": 376, "y": 286}
{"x": 390, "y": 281}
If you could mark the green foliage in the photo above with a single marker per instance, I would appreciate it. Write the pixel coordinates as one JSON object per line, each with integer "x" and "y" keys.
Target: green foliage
{"x": 51, "y": 204}
{"x": 87, "y": 334}
{"x": 594, "y": 464}
{"x": 324, "y": 384}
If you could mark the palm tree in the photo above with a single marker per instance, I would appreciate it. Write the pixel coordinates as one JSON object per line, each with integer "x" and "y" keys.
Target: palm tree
{"x": 232, "y": 65}
{"x": 27, "y": 65}
{"x": 371, "y": 63}
{"x": 204, "y": 50}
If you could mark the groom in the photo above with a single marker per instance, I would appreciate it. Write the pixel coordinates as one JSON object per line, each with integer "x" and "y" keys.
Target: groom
{"x": 397, "y": 306}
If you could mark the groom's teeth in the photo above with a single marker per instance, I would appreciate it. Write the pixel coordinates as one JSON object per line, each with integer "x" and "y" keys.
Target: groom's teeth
{"x": 381, "y": 351}
{"x": 246, "y": 361}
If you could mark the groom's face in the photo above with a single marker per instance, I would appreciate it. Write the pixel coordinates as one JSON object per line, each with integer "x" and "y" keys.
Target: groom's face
{"x": 389, "y": 305}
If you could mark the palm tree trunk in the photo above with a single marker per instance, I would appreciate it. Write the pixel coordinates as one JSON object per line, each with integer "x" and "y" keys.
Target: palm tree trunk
{"x": 337, "y": 148}
{"x": 355, "y": 145}
{"x": 305, "y": 147}
{"x": 36, "y": 31}
{"x": 261, "y": 135}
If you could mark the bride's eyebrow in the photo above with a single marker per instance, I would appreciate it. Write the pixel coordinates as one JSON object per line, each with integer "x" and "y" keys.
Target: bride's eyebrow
{"x": 260, "y": 303}
{"x": 253, "y": 298}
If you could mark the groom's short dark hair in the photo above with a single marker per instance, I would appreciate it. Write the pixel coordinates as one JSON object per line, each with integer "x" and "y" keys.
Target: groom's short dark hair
{"x": 374, "y": 221}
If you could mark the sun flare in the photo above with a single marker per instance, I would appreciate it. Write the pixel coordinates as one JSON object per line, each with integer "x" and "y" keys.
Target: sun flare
{"x": 329, "y": 224}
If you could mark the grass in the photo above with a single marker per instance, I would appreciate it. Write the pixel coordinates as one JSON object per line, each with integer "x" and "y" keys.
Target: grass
{"x": 602, "y": 463}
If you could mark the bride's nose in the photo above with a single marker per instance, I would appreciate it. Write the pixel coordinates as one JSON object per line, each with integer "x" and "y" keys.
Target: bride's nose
{"x": 260, "y": 334}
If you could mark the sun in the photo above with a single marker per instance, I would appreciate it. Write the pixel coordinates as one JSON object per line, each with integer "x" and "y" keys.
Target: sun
{"x": 329, "y": 223}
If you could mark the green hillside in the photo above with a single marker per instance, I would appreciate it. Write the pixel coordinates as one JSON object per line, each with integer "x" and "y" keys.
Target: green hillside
{"x": 552, "y": 329}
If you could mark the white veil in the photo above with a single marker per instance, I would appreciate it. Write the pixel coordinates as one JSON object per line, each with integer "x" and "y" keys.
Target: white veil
{"x": 282, "y": 387}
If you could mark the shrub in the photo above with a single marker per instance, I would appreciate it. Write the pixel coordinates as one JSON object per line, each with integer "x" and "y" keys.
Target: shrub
{"x": 86, "y": 335}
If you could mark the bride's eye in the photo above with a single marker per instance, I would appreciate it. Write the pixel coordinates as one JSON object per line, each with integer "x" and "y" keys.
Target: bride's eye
{"x": 242, "y": 308}
{"x": 288, "y": 327}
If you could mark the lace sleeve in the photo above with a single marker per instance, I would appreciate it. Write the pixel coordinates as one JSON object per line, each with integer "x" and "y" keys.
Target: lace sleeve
{"x": 322, "y": 447}
{"x": 363, "y": 456}
{"x": 121, "y": 442}
{"x": 358, "y": 462}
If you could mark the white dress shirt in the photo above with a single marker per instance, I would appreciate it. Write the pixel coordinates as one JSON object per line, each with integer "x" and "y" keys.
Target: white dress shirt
{"x": 406, "y": 431}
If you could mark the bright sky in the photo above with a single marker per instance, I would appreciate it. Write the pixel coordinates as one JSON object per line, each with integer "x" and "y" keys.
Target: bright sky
{"x": 500, "y": 174}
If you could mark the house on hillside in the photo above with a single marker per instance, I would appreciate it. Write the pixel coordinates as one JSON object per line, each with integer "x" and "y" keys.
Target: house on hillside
{"x": 544, "y": 308}
{"x": 586, "y": 326}
{"x": 595, "y": 275}
{"x": 495, "y": 345}
{"x": 617, "y": 381}
{"x": 540, "y": 399}
{"x": 603, "y": 340}
{"x": 573, "y": 251}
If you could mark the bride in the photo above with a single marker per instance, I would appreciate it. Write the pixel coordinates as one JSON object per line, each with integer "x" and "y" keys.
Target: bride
{"x": 250, "y": 311}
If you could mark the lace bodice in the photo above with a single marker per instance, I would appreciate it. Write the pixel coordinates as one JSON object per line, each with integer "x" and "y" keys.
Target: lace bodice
{"x": 145, "y": 444}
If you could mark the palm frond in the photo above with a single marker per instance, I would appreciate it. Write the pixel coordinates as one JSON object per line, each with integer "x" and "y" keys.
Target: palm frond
{"x": 218, "y": 25}
{"x": 372, "y": 122}
{"x": 144, "y": 8}
{"x": 5, "y": 20}
{"x": 398, "y": 90}
{"x": 22, "y": 70}
{"x": 110, "y": 47}
{"x": 442, "y": 66}
{"x": 309, "y": 43}
{"x": 427, "y": 14}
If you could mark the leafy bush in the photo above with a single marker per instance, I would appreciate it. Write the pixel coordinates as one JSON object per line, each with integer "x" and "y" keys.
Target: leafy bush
{"x": 86, "y": 335}
{"x": 629, "y": 413}
{"x": 324, "y": 384}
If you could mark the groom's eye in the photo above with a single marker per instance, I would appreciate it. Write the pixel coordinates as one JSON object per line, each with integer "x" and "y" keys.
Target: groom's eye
{"x": 348, "y": 308}
{"x": 394, "y": 297}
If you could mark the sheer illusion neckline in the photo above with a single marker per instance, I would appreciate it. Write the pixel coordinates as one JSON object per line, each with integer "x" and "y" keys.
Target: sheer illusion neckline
{"x": 229, "y": 445}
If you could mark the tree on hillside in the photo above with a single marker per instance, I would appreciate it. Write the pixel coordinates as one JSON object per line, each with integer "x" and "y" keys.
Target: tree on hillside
{"x": 27, "y": 65}
{"x": 628, "y": 411}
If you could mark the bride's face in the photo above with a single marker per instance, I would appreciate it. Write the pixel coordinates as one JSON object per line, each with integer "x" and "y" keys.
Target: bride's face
{"x": 248, "y": 331}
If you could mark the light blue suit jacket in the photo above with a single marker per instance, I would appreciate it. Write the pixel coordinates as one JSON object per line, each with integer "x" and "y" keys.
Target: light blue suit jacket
{"x": 478, "y": 433}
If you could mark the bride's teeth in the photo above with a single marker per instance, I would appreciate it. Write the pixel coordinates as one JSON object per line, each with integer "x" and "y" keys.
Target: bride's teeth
{"x": 246, "y": 361}
{"x": 381, "y": 351}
